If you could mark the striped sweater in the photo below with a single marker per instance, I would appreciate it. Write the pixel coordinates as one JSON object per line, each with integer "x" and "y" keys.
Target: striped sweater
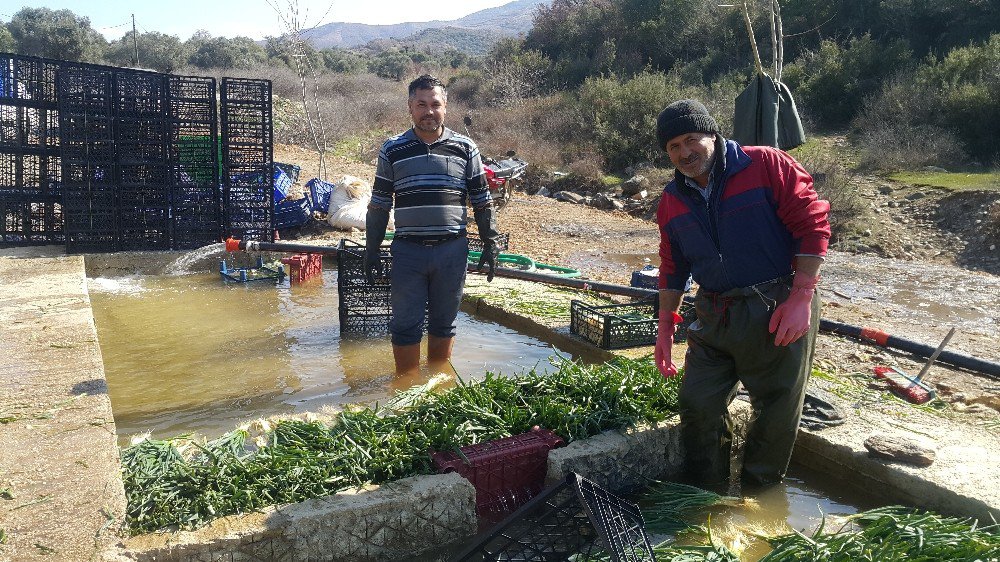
{"x": 430, "y": 185}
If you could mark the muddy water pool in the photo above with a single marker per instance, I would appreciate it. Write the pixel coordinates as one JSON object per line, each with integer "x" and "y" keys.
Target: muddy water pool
{"x": 188, "y": 353}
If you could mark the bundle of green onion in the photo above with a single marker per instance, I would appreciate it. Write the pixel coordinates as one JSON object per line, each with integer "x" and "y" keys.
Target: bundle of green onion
{"x": 891, "y": 534}
{"x": 180, "y": 483}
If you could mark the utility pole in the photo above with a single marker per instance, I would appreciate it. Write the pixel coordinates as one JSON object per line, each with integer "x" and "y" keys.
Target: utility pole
{"x": 135, "y": 42}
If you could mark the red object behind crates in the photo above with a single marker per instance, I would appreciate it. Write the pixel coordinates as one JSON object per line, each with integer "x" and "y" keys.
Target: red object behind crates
{"x": 506, "y": 472}
{"x": 303, "y": 266}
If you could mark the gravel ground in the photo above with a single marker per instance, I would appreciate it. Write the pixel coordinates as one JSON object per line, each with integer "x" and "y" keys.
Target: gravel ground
{"x": 914, "y": 294}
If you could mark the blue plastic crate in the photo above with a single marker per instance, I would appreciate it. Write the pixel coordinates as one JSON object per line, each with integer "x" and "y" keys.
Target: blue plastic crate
{"x": 321, "y": 192}
{"x": 281, "y": 185}
{"x": 251, "y": 274}
{"x": 289, "y": 213}
{"x": 291, "y": 170}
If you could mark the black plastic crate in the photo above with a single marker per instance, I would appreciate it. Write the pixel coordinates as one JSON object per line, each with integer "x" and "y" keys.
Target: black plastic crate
{"x": 28, "y": 174}
{"x": 139, "y": 94}
{"x": 476, "y": 243}
{"x": 687, "y": 314}
{"x": 363, "y": 307}
{"x": 614, "y": 326}
{"x": 30, "y": 222}
{"x": 575, "y": 520}
{"x": 246, "y": 90}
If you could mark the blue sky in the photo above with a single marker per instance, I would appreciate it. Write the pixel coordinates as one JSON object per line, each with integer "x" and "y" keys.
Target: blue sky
{"x": 252, "y": 18}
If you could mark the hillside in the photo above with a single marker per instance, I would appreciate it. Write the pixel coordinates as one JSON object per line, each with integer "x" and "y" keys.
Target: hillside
{"x": 510, "y": 19}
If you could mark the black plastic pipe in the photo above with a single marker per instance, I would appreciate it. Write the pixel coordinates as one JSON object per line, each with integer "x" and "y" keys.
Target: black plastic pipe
{"x": 879, "y": 337}
{"x": 234, "y": 245}
{"x": 586, "y": 285}
{"x": 872, "y": 335}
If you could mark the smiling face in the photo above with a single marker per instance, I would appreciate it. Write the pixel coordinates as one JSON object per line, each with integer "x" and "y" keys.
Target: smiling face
{"x": 692, "y": 154}
{"x": 427, "y": 110}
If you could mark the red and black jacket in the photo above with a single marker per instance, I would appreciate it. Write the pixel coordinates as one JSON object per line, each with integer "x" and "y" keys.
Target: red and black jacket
{"x": 763, "y": 211}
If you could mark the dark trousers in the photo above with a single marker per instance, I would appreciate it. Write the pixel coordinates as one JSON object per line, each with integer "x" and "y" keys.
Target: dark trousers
{"x": 729, "y": 343}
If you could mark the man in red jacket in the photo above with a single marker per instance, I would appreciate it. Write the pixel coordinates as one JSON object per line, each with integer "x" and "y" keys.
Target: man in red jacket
{"x": 746, "y": 224}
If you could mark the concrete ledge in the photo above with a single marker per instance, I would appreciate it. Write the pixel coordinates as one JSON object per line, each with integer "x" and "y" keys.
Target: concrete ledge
{"x": 59, "y": 456}
{"x": 962, "y": 481}
{"x": 621, "y": 461}
{"x": 390, "y": 522}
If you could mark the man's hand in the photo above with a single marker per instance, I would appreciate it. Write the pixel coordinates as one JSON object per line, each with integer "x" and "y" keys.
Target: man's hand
{"x": 791, "y": 319}
{"x": 488, "y": 259}
{"x": 373, "y": 266}
{"x": 665, "y": 327}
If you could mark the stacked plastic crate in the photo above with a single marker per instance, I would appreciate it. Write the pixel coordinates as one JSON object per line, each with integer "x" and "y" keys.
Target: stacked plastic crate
{"x": 141, "y": 142}
{"x": 30, "y": 199}
{"x": 88, "y": 159}
{"x": 194, "y": 161}
{"x": 248, "y": 158}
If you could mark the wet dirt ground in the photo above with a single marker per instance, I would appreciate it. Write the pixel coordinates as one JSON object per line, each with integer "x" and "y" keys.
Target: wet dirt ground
{"x": 917, "y": 295}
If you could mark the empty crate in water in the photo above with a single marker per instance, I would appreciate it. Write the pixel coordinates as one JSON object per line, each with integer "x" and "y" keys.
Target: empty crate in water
{"x": 614, "y": 326}
{"x": 364, "y": 307}
{"x": 506, "y": 472}
{"x": 574, "y": 520}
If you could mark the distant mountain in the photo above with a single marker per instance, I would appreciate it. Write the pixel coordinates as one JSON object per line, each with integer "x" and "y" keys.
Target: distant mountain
{"x": 508, "y": 20}
{"x": 473, "y": 42}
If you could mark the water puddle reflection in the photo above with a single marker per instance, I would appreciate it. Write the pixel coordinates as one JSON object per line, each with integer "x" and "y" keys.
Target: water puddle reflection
{"x": 186, "y": 353}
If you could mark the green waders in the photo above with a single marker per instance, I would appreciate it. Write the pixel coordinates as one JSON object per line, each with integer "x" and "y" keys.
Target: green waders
{"x": 729, "y": 343}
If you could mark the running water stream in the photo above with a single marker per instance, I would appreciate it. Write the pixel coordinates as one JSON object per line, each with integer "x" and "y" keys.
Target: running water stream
{"x": 183, "y": 264}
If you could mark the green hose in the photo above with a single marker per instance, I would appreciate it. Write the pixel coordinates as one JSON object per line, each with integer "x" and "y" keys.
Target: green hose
{"x": 517, "y": 261}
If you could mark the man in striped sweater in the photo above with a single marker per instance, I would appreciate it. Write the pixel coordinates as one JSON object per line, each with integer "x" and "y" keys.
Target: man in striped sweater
{"x": 429, "y": 174}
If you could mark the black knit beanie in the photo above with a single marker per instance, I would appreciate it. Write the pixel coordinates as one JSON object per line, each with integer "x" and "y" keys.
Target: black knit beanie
{"x": 684, "y": 116}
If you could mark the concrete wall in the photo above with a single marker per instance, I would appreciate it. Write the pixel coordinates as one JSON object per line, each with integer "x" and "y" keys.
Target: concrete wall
{"x": 412, "y": 518}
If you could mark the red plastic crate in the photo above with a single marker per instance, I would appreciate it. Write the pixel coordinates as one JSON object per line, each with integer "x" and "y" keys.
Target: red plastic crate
{"x": 506, "y": 472}
{"x": 303, "y": 266}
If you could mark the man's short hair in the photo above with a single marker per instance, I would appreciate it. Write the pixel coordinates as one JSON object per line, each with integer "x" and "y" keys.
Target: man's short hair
{"x": 427, "y": 82}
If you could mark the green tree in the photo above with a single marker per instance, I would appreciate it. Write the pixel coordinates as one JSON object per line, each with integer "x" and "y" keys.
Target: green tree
{"x": 158, "y": 51}
{"x": 293, "y": 51}
{"x": 833, "y": 82}
{"x": 6, "y": 39}
{"x": 516, "y": 73}
{"x": 206, "y": 51}
{"x": 57, "y": 34}
{"x": 393, "y": 64}
{"x": 344, "y": 61}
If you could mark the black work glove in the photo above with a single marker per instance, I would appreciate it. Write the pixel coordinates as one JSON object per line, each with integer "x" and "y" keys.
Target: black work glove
{"x": 486, "y": 222}
{"x": 376, "y": 221}
{"x": 489, "y": 259}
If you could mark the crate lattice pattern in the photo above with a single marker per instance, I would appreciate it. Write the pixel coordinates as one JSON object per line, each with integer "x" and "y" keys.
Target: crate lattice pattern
{"x": 574, "y": 520}
{"x": 104, "y": 159}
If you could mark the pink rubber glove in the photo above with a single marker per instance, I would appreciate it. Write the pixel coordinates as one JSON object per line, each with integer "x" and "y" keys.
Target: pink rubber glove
{"x": 665, "y": 342}
{"x": 790, "y": 321}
